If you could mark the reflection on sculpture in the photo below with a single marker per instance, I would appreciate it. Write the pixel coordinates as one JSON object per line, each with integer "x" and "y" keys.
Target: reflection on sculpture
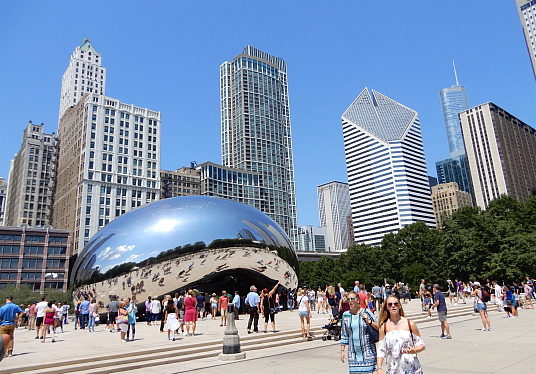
{"x": 186, "y": 242}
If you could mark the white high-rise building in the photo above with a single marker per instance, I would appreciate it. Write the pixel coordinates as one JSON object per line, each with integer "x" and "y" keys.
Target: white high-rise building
{"x": 386, "y": 167}
{"x": 85, "y": 74}
{"x": 334, "y": 209}
{"x": 109, "y": 158}
{"x": 527, "y": 16}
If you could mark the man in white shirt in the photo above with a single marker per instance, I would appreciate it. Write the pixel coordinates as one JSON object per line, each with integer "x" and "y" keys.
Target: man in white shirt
{"x": 40, "y": 307}
{"x": 498, "y": 296}
{"x": 341, "y": 290}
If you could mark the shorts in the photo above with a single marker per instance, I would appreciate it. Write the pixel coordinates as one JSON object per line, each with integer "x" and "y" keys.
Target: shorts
{"x": 123, "y": 327}
{"x": 111, "y": 317}
{"x": 481, "y": 306}
{"x": 303, "y": 313}
{"x": 181, "y": 316}
{"x": 452, "y": 293}
{"x": 442, "y": 316}
{"x": 200, "y": 309}
{"x": 223, "y": 312}
{"x": 39, "y": 321}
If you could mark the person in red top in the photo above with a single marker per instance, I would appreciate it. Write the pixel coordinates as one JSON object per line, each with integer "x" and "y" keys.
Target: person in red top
{"x": 223, "y": 302}
{"x": 190, "y": 312}
{"x": 363, "y": 297}
{"x": 33, "y": 315}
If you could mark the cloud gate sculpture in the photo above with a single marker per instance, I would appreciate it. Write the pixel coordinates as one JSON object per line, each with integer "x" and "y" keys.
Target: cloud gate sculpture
{"x": 190, "y": 242}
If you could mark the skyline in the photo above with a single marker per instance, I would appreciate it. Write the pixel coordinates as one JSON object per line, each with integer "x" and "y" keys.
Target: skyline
{"x": 332, "y": 51}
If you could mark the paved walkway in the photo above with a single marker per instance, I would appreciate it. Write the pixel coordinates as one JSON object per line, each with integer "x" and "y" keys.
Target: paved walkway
{"x": 510, "y": 347}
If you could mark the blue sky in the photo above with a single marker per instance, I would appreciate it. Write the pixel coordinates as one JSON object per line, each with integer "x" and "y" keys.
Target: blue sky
{"x": 165, "y": 55}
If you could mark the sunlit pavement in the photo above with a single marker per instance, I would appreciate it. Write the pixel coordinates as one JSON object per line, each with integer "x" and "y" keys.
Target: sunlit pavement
{"x": 509, "y": 347}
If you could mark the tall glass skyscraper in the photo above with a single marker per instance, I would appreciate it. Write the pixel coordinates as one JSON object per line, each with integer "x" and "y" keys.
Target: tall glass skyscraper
{"x": 386, "y": 167}
{"x": 453, "y": 101}
{"x": 256, "y": 132}
{"x": 455, "y": 169}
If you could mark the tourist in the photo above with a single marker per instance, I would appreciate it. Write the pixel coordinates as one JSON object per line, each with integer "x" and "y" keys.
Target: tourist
{"x": 377, "y": 296}
{"x": 481, "y": 307}
{"x": 498, "y": 293}
{"x": 427, "y": 302}
{"x": 528, "y": 298}
{"x": 40, "y": 315}
{"x": 361, "y": 352}
{"x": 93, "y": 313}
{"x": 48, "y": 322}
{"x": 236, "y": 303}
{"x": 84, "y": 312}
{"x": 200, "y": 305}
{"x": 459, "y": 291}
{"x": 290, "y": 300}
{"x": 311, "y": 297}
{"x": 509, "y": 303}
{"x": 214, "y": 305}
{"x": 344, "y": 306}
{"x": 164, "y": 303}
{"x": 422, "y": 288}
{"x": 180, "y": 307}
{"x": 190, "y": 312}
{"x": 400, "y": 340}
{"x": 9, "y": 313}
{"x": 132, "y": 309}
{"x": 252, "y": 303}
{"x": 170, "y": 319}
{"x": 452, "y": 292}
{"x": 59, "y": 316}
{"x": 320, "y": 301}
{"x": 223, "y": 302}
{"x": 112, "y": 307}
{"x": 363, "y": 296}
{"x": 148, "y": 315}
{"x": 208, "y": 307}
{"x": 156, "y": 307}
{"x": 441, "y": 305}
{"x": 267, "y": 307}
{"x": 122, "y": 319}
{"x": 33, "y": 316}
{"x": 332, "y": 302}
{"x": 65, "y": 313}
{"x": 77, "y": 316}
{"x": 304, "y": 312}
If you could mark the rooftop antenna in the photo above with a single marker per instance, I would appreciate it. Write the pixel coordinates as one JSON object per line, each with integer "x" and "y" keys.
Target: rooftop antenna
{"x": 455, "y": 74}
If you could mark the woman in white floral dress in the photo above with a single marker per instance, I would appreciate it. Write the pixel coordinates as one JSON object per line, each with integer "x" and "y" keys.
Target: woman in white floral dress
{"x": 400, "y": 340}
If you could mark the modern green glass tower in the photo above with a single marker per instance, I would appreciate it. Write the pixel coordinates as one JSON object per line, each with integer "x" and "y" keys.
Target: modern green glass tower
{"x": 256, "y": 131}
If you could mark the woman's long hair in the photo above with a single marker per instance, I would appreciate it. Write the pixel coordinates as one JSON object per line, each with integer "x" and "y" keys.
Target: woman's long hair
{"x": 170, "y": 307}
{"x": 385, "y": 314}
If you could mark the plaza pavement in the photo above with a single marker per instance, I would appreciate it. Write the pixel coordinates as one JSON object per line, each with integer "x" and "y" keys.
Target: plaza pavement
{"x": 510, "y": 347}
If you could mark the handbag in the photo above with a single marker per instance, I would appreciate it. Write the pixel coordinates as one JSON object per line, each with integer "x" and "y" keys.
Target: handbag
{"x": 121, "y": 319}
{"x": 57, "y": 322}
{"x": 374, "y": 335}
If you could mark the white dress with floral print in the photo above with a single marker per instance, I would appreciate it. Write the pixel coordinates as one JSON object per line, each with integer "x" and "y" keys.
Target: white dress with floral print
{"x": 391, "y": 347}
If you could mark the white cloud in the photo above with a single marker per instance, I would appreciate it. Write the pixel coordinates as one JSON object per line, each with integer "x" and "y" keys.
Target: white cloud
{"x": 109, "y": 254}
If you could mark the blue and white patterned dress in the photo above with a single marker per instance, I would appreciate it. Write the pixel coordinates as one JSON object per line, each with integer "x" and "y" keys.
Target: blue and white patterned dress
{"x": 392, "y": 346}
{"x": 361, "y": 352}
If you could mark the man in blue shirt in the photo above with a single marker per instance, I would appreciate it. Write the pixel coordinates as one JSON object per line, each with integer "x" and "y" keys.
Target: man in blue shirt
{"x": 84, "y": 312}
{"x": 9, "y": 313}
{"x": 441, "y": 306}
{"x": 253, "y": 302}
{"x": 236, "y": 303}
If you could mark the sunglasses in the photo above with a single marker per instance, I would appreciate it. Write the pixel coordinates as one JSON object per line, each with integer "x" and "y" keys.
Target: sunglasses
{"x": 393, "y": 304}
{"x": 350, "y": 298}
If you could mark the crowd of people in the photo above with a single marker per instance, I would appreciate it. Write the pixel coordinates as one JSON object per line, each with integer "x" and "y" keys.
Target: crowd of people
{"x": 359, "y": 311}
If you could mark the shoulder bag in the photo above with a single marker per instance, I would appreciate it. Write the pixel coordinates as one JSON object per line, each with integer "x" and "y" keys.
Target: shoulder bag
{"x": 374, "y": 335}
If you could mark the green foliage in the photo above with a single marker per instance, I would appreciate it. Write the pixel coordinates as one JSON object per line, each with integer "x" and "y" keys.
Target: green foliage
{"x": 25, "y": 295}
{"x": 498, "y": 243}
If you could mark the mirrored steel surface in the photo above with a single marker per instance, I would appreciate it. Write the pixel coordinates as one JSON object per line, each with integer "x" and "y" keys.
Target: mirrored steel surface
{"x": 181, "y": 226}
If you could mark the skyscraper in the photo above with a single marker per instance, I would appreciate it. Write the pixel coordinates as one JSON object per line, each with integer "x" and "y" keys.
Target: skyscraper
{"x": 386, "y": 167}
{"x": 448, "y": 198}
{"x": 84, "y": 74}
{"x": 453, "y": 101}
{"x": 32, "y": 179}
{"x": 501, "y": 150}
{"x": 527, "y": 16}
{"x": 334, "y": 208}
{"x": 312, "y": 239}
{"x": 455, "y": 168}
{"x": 109, "y": 159}
{"x": 256, "y": 132}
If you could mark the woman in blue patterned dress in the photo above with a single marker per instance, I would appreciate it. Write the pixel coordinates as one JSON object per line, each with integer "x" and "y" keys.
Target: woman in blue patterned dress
{"x": 361, "y": 352}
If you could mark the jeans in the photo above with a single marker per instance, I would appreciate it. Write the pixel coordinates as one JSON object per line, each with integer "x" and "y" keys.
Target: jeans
{"x": 83, "y": 320}
{"x": 291, "y": 305}
{"x": 131, "y": 326}
{"x": 77, "y": 319}
{"x": 91, "y": 323}
{"x": 66, "y": 319}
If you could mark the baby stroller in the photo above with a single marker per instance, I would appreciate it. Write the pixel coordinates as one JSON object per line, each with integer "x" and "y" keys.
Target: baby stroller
{"x": 333, "y": 330}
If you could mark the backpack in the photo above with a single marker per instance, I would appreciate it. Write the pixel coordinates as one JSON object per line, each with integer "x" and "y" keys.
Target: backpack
{"x": 485, "y": 296}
